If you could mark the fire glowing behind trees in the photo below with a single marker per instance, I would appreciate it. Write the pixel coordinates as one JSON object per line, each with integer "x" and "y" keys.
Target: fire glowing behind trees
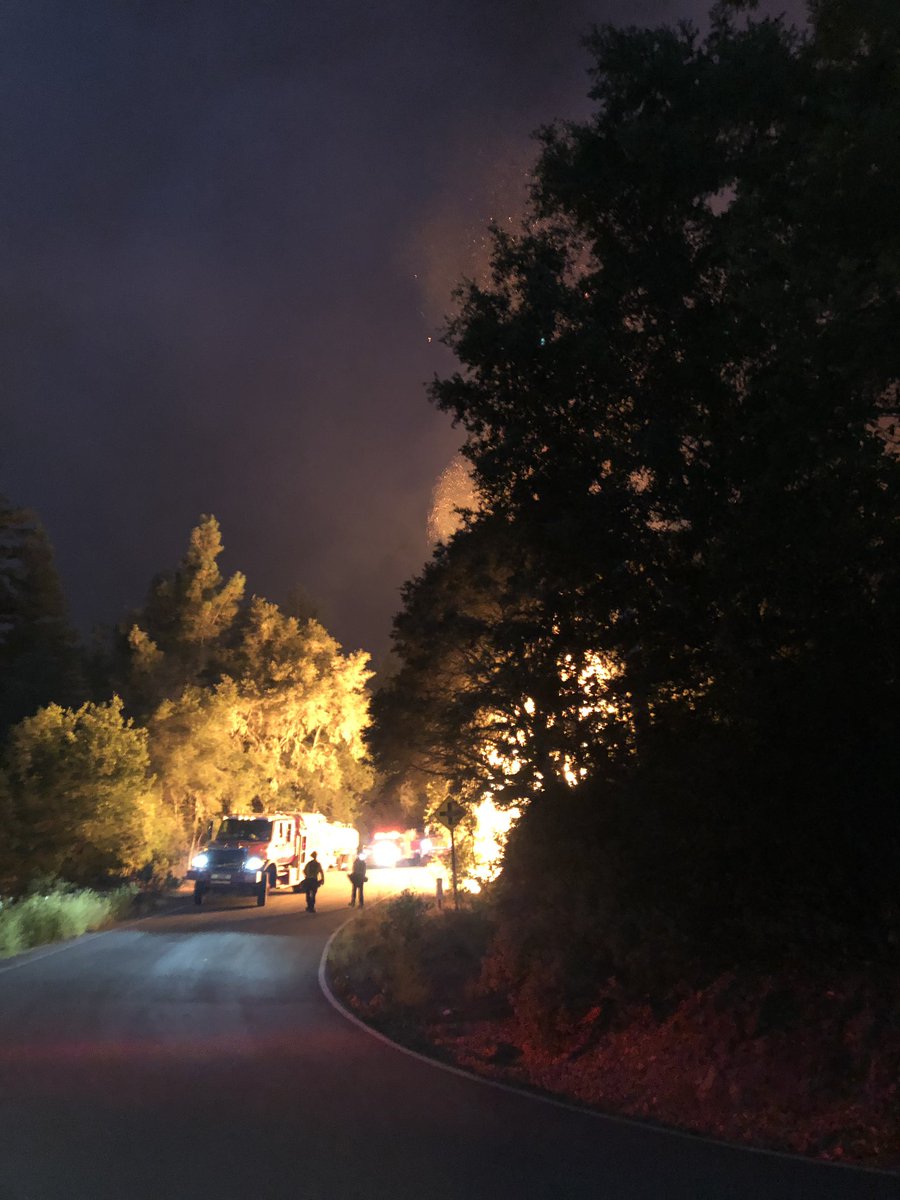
{"x": 671, "y": 622}
{"x": 505, "y": 740}
{"x": 453, "y": 492}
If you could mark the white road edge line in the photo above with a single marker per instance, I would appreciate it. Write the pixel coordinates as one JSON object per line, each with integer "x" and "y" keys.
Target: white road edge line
{"x": 39, "y": 953}
{"x": 614, "y": 1118}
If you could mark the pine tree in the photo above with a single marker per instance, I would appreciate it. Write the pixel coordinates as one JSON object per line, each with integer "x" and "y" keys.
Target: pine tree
{"x": 181, "y": 636}
{"x": 38, "y": 649}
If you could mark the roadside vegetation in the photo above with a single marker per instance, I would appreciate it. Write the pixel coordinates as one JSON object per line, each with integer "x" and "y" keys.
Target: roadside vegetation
{"x": 795, "y": 1060}
{"x": 406, "y": 957}
{"x": 58, "y": 913}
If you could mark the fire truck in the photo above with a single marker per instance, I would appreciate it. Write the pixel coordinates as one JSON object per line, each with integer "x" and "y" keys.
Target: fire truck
{"x": 253, "y": 854}
{"x": 336, "y": 843}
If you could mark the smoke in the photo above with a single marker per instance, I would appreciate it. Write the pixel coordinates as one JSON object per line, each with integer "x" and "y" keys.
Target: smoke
{"x": 451, "y": 241}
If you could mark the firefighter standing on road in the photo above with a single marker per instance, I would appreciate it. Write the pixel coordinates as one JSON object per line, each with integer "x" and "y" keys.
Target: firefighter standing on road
{"x": 313, "y": 877}
{"x": 357, "y": 876}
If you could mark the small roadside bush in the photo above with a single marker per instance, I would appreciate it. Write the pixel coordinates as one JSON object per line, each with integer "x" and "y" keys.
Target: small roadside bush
{"x": 55, "y": 915}
{"x": 408, "y": 954}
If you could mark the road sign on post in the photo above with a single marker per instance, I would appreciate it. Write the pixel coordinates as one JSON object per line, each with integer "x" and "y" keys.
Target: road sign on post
{"x": 450, "y": 814}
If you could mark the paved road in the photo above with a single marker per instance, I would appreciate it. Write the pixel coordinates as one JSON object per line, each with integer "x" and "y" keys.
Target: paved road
{"x": 194, "y": 1055}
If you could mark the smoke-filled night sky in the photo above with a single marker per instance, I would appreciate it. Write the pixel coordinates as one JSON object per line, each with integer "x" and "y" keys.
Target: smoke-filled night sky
{"x": 229, "y": 232}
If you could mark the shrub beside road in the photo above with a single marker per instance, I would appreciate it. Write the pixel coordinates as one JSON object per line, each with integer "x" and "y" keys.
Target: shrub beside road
{"x": 789, "y": 1062}
{"x": 57, "y": 914}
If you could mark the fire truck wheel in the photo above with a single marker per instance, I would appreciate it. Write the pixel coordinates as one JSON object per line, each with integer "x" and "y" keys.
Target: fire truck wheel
{"x": 261, "y": 894}
{"x": 198, "y": 894}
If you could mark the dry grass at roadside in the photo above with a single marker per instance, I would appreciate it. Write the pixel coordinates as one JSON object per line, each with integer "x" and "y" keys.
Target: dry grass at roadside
{"x": 57, "y": 914}
{"x": 399, "y": 962}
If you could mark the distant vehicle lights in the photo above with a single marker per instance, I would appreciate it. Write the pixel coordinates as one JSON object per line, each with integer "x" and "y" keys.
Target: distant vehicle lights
{"x": 384, "y": 852}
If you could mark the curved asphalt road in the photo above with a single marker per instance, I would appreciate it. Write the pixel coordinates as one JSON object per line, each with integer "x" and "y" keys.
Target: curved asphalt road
{"x": 193, "y": 1055}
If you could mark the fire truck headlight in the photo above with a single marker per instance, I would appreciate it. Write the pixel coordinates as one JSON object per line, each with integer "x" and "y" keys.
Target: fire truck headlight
{"x": 254, "y": 863}
{"x": 200, "y": 861}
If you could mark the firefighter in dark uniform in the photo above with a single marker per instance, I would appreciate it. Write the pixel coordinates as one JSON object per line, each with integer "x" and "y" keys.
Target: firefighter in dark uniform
{"x": 313, "y": 877}
{"x": 357, "y": 875}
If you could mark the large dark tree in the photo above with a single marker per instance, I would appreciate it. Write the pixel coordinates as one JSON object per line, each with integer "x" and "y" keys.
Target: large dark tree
{"x": 38, "y": 649}
{"x": 679, "y": 391}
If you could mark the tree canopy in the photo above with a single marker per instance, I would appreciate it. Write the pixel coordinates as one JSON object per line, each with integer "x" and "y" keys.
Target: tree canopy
{"x": 80, "y": 800}
{"x": 679, "y": 392}
{"x": 300, "y": 706}
{"x": 182, "y": 635}
{"x": 245, "y": 705}
{"x": 226, "y": 705}
{"x": 38, "y": 651}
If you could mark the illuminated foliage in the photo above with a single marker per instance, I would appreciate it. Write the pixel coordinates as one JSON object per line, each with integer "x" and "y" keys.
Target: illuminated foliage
{"x": 198, "y": 759}
{"x": 241, "y": 708}
{"x": 81, "y": 802}
{"x": 299, "y": 706}
{"x": 246, "y": 707}
{"x": 181, "y": 636}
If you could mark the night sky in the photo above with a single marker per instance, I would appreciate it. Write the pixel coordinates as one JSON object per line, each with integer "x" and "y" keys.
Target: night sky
{"x": 228, "y": 232}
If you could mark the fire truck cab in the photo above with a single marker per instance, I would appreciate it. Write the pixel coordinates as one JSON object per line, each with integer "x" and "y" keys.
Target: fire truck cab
{"x": 254, "y": 853}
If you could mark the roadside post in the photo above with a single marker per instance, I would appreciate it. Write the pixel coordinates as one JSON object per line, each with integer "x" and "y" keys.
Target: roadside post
{"x": 450, "y": 814}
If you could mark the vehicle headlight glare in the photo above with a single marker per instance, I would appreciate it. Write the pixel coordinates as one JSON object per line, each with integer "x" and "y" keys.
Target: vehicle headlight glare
{"x": 385, "y": 854}
{"x": 254, "y": 863}
{"x": 200, "y": 861}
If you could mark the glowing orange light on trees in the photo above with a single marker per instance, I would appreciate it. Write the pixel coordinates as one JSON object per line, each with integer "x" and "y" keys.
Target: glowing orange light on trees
{"x": 454, "y": 490}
